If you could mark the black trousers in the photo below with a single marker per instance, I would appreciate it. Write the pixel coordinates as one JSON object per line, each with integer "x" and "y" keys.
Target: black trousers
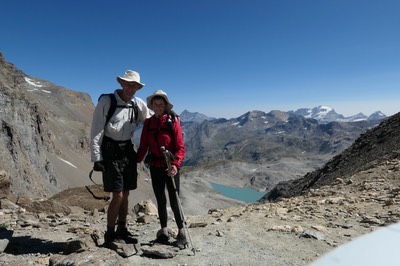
{"x": 160, "y": 180}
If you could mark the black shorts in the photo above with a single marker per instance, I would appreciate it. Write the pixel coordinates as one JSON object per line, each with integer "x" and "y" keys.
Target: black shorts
{"x": 120, "y": 169}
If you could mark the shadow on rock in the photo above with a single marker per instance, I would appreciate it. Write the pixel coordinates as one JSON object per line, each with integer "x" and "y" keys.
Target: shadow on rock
{"x": 27, "y": 245}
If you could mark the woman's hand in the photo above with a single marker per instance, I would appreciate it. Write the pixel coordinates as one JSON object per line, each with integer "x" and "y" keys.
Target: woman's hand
{"x": 172, "y": 171}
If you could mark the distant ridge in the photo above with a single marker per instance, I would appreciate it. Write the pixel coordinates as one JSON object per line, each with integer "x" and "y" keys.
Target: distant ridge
{"x": 195, "y": 117}
{"x": 325, "y": 114}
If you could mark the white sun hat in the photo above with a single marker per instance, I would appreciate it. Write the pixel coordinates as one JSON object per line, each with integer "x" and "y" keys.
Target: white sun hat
{"x": 130, "y": 76}
{"x": 161, "y": 94}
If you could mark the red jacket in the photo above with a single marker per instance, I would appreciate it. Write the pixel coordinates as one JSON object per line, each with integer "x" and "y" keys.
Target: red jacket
{"x": 157, "y": 132}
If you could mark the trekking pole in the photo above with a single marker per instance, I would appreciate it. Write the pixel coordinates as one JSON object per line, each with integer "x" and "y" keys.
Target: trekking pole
{"x": 168, "y": 159}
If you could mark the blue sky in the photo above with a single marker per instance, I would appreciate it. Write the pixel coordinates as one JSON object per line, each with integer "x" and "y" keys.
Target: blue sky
{"x": 221, "y": 58}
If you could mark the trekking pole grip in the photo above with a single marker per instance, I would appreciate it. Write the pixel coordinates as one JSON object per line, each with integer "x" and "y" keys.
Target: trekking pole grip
{"x": 167, "y": 157}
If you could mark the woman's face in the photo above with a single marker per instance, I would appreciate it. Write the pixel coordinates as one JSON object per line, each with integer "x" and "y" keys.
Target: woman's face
{"x": 159, "y": 106}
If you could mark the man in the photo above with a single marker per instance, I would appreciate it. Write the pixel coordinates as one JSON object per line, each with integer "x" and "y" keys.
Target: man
{"x": 112, "y": 150}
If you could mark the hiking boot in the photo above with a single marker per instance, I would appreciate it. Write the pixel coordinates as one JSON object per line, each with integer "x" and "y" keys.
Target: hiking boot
{"x": 162, "y": 239}
{"x": 109, "y": 237}
{"x": 181, "y": 241}
{"x": 124, "y": 234}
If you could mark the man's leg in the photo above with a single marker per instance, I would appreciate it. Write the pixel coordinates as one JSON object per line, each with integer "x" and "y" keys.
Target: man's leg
{"x": 122, "y": 232}
{"x": 123, "y": 213}
{"x": 129, "y": 183}
{"x": 123, "y": 209}
{"x": 114, "y": 208}
{"x": 112, "y": 214}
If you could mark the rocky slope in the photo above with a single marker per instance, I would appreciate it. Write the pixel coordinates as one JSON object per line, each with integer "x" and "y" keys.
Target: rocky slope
{"x": 291, "y": 231}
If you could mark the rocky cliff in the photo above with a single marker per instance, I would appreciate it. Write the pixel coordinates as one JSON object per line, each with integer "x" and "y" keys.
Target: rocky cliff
{"x": 44, "y": 133}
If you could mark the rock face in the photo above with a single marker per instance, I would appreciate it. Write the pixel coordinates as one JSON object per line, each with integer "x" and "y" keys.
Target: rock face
{"x": 44, "y": 133}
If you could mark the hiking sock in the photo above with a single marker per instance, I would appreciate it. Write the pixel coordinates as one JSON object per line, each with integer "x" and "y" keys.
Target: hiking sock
{"x": 110, "y": 229}
{"x": 109, "y": 236}
{"x": 165, "y": 230}
{"x": 122, "y": 231}
{"x": 121, "y": 224}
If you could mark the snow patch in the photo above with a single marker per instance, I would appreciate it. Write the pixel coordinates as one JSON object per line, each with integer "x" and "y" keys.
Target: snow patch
{"x": 33, "y": 82}
{"x": 65, "y": 161}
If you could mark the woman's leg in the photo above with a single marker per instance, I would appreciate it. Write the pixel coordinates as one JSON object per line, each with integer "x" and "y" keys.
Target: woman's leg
{"x": 158, "y": 182}
{"x": 174, "y": 200}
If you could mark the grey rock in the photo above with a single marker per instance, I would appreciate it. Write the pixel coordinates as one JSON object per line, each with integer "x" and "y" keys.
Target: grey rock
{"x": 311, "y": 233}
{"x": 195, "y": 225}
{"x": 95, "y": 257}
{"x": 161, "y": 251}
{"x": 79, "y": 244}
{"x": 123, "y": 249}
{"x": 146, "y": 219}
{"x": 3, "y": 244}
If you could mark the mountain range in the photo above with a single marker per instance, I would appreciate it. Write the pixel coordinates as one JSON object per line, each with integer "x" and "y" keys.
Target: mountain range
{"x": 269, "y": 147}
{"x": 323, "y": 114}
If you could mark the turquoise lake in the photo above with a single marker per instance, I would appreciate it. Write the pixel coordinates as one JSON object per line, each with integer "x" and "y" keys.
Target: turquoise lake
{"x": 242, "y": 194}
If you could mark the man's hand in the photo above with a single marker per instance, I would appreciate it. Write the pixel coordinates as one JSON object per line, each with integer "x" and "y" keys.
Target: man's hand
{"x": 99, "y": 166}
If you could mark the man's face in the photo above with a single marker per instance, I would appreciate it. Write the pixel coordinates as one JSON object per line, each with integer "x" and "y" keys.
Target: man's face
{"x": 129, "y": 88}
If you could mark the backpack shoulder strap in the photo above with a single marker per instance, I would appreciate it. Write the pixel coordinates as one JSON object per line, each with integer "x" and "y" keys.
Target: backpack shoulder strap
{"x": 135, "y": 109}
{"x": 172, "y": 118}
{"x": 170, "y": 122}
{"x": 113, "y": 105}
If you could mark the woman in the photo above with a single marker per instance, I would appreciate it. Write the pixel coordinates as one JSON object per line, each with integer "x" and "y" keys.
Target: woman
{"x": 163, "y": 129}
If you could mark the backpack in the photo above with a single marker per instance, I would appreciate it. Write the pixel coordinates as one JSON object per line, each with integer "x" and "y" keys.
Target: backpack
{"x": 172, "y": 119}
{"x": 114, "y": 106}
